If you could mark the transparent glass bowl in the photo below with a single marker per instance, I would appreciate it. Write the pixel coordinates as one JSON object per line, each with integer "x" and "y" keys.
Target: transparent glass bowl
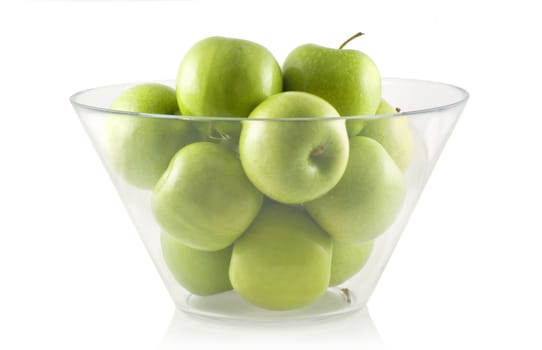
{"x": 430, "y": 110}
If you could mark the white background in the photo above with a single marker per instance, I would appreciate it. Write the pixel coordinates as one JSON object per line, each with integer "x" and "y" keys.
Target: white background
{"x": 467, "y": 273}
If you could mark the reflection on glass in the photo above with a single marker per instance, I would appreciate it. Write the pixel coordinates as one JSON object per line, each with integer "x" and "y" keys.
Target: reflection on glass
{"x": 356, "y": 328}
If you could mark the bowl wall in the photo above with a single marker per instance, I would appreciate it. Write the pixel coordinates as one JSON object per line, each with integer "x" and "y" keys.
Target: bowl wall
{"x": 430, "y": 110}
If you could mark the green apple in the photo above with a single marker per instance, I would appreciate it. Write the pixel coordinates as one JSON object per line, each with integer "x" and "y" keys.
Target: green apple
{"x": 366, "y": 200}
{"x": 225, "y": 77}
{"x": 348, "y": 79}
{"x": 394, "y": 133}
{"x": 347, "y": 260}
{"x": 294, "y": 161}
{"x": 200, "y": 272}
{"x": 139, "y": 148}
{"x": 283, "y": 260}
{"x": 228, "y": 135}
{"x": 204, "y": 199}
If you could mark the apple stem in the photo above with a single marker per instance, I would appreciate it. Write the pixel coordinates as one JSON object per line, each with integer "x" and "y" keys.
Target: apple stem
{"x": 318, "y": 151}
{"x": 358, "y": 34}
{"x": 398, "y": 110}
{"x": 347, "y": 295}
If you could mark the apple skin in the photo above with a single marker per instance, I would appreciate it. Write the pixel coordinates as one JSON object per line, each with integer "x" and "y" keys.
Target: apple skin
{"x": 348, "y": 79}
{"x": 225, "y": 133}
{"x": 226, "y": 77}
{"x": 282, "y": 261}
{"x": 347, "y": 260}
{"x": 393, "y": 133}
{"x": 366, "y": 200}
{"x": 139, "y": 148}
{"x": 204, "y": 199}
{"x": 200, "y": 272}
{"x": 279, "y": 156}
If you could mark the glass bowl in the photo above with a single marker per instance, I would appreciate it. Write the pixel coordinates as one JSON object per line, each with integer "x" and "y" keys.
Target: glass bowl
{"x": 285, "y": 257}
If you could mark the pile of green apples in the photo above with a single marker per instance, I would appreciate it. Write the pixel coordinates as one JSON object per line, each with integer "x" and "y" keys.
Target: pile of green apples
{"x": 281, "y": 195}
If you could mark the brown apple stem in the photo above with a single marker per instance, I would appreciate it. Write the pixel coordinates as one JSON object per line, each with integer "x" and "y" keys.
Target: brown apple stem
{"x": 318, "y": 151}
{"x": 347, "y": 295}
{"x": 358, "y": 34}
{"x": 398, "y": 110}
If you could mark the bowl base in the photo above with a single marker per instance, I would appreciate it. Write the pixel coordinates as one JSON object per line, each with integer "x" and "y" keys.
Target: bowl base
{"x": 230, "y": 306}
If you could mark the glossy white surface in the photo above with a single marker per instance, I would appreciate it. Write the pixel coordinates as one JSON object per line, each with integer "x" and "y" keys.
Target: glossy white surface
{"x": 357, "y": 328}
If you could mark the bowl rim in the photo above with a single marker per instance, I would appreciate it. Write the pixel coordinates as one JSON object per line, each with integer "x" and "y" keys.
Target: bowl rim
{"x": 438, "y": 108}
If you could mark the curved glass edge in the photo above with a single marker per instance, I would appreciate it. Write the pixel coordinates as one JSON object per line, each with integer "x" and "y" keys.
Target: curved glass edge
{"x": 461, "y": 101}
